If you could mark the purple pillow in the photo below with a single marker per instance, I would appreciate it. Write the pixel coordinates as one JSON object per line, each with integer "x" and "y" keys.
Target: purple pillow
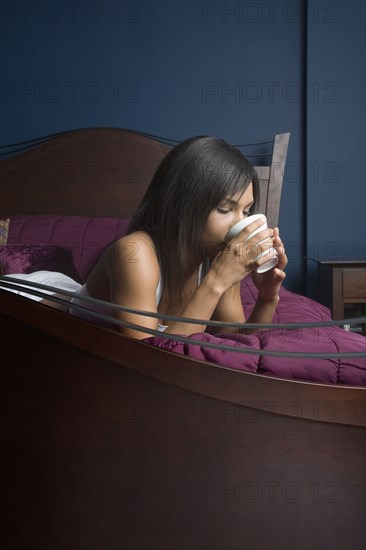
{"x": 27, "y": 258}
{"x": 86, "y": 237}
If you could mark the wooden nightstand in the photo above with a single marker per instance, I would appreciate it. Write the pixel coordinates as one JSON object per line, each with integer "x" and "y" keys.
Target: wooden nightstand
{"x": 342, "y": 281}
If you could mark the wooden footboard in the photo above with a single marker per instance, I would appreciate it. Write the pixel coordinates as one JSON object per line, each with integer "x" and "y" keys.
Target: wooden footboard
{"x": 109, "y": 443}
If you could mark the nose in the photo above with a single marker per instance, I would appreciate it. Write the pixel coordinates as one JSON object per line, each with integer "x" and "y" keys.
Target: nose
{"x": 240, "y": 216}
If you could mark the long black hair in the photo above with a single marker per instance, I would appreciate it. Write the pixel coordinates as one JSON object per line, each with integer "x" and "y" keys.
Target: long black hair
{"x": 193, "y": 178}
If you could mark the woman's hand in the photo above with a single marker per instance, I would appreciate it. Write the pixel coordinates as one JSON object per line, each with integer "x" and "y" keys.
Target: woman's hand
{"x": 269, "y": 283}
{"x": 240, "y": 256}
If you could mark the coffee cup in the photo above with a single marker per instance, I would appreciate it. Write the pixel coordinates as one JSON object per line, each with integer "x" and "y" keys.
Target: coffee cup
{"x": 239, "y": 226}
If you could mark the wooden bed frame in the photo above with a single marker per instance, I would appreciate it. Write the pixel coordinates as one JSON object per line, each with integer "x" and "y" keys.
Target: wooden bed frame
{"x": 109, "y": 443}
{"x": 104, "y": 172}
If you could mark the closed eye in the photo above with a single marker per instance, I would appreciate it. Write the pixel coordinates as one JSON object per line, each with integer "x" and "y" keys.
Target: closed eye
{"x": 228, "y": 205}
{"x": 227, "y": 210}
{"x": 223, "y": 210}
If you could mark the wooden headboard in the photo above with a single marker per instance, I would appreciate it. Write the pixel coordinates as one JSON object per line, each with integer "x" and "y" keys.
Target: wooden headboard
{"x": 104, "y": 172}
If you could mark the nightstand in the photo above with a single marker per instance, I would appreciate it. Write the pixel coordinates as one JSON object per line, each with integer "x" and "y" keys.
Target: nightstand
{"x": 342, "y": 281}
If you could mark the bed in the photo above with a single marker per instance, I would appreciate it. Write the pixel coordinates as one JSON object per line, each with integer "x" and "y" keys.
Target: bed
{"x": 110, "y": 442}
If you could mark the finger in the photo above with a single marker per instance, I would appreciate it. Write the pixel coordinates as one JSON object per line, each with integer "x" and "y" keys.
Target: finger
{"x": 279, "y": 273}
{"x": 282, "y": 259}
{"x": 277, "y": 240}
{"x": 264, "y": 235}
{"x": 259, "y": 251}
{"x": 247, "y": 231}
{"x": 280, "y": 248}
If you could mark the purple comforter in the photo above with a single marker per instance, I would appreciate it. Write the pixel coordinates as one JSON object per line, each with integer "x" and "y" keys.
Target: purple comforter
{"x": 292, "y": 308}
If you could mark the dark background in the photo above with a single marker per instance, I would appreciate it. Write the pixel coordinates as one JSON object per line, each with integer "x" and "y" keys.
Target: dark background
{"x": 240, "y": 70}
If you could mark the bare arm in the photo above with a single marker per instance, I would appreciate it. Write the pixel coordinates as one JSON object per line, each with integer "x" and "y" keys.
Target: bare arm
{"x": 268, "y": 285}
{"x": 218, "y": 296}
{"x": 133, "y": 279}
{"x": 133, "y": 282}
{"x": 230, "y": 310}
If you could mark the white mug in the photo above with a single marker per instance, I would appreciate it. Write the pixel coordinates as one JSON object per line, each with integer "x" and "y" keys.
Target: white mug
{"x": 235, "y": 229}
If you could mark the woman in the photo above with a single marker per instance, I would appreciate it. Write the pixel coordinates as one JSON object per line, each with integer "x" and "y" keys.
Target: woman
{"x": 174, "y": 260}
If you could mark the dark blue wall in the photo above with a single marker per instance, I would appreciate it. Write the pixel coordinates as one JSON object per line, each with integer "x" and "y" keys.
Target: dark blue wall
{"x": 236, "y": 69}
{"x": 336, "y": 125}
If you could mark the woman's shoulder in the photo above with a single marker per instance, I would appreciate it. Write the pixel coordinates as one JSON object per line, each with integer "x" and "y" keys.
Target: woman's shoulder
{"x": 136, "y": 248}
{"x": 130, "y": 245}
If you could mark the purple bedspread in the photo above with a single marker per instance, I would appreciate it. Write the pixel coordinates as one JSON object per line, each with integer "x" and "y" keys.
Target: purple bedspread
{"x": 86, "y": 238}
{"x": 292, "y": 308}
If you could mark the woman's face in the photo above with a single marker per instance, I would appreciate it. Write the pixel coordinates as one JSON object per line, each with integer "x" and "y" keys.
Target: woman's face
{"x": 230, "y": 211}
